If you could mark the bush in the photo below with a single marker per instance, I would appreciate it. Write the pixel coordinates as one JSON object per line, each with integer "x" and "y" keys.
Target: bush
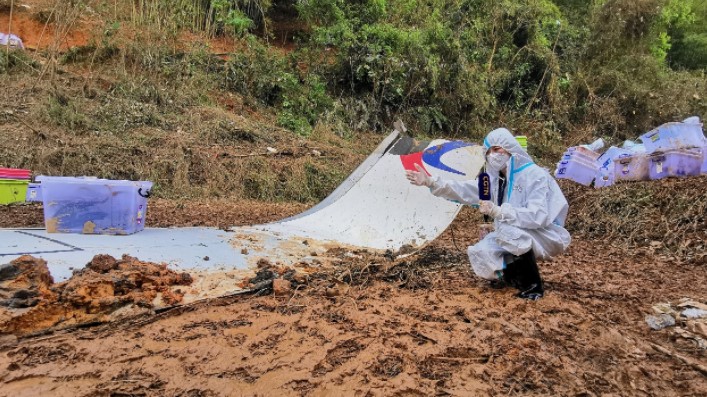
{"x": 273, "y": 80}
{"x": 16, "y": 61}
{"x": 452, "y": 63}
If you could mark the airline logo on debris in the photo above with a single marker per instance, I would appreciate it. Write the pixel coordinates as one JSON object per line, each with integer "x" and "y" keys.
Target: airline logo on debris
{"x": 433, "y": 155}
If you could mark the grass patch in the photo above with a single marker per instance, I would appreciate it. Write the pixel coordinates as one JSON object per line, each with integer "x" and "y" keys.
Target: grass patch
{"x": 667, "y": 216}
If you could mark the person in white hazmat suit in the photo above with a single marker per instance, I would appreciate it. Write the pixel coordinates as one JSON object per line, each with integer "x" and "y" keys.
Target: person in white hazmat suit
{"x": 528, "y": 209}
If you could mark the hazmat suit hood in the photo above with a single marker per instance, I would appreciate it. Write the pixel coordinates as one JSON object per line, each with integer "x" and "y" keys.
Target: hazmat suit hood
{"x": 503, "y": 138}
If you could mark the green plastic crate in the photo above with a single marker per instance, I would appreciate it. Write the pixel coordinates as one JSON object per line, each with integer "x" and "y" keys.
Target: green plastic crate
{"x": 523, "y": 141}
{"x": 13, "y": 190}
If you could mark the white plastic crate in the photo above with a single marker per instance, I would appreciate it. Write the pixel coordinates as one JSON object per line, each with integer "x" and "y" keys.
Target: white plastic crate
{"x": 676, "y": 163}
{"x": 631, "y": 167}
{"x": 582, "y": 152}
{"x": 671, "y": 136}
{"x": 576, "y": 169}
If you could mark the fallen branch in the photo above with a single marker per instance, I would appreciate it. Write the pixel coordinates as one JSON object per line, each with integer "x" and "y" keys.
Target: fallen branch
{"x": 24, "y": 123}
{"x": 697, "y": 366}
{"x": 246, "y": 155}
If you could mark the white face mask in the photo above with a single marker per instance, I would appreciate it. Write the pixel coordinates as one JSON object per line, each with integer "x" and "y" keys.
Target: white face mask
{"x": 497, "y": 161}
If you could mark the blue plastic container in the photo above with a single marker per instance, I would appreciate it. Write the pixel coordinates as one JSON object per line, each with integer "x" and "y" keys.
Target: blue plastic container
{"x": 93, "y": 206}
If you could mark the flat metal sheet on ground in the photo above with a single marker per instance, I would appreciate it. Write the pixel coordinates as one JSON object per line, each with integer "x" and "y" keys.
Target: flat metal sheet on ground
{"x": 376, "y": 208}
{"x": 181, "y": 248}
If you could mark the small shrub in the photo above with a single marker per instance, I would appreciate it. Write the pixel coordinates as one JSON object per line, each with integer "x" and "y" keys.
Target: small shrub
{"x": 259, "y": 182}
{"x": 65, "y": 113}
{"x": 90, "y": 53}
{"x": 16, "y": 61}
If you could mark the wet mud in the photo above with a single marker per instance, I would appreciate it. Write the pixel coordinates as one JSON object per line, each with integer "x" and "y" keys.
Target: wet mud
{"x": 106, "y": 288}
{"x": 366, "y": 324}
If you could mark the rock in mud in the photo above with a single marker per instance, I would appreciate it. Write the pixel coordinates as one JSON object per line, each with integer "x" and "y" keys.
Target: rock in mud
{"x": 8, "y": 340}
{"x": 24, "y": 281}
{"x": 281, "y": 287}
{"x": 660, "y": 321}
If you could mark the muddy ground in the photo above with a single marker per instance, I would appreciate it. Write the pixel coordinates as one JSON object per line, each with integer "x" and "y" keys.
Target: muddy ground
{"x": 373, "y": 326}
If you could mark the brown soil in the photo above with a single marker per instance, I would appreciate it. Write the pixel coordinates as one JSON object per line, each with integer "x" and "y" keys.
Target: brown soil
{"x": 418, "y": 326}
{"x": 93, "y": 294}
{"x": 29, "y": 22}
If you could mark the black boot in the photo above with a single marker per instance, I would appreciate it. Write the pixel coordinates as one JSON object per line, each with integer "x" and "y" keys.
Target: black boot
{"x": 529, "y": 282}
{"x": 512, "y": 271}
{"x": 522, "y": 273}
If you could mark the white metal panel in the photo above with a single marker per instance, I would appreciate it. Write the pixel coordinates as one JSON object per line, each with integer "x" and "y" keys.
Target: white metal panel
{"x": 382, "y": 210}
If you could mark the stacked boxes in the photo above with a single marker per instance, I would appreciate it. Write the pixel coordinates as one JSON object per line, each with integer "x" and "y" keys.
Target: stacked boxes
{"x": 94, "y": 206}
{"x": 672, "y": 136}
{"x": 671, "y": 150}
{"x": 13, "y": 185}
{"x": 675, "y": 149}
{"x": 578, "y": 164}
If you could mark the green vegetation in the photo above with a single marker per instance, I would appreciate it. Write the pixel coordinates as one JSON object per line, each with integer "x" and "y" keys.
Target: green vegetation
{"x": 562, "y": 72}
{"x": 446, "y": 67}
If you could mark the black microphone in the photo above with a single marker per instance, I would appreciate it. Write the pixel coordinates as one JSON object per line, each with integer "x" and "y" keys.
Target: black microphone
{"x": 484, "y": 190}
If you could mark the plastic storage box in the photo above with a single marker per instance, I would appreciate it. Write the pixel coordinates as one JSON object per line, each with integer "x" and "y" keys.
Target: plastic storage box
{"x": 577, "y": 169}
{"x": 631, "y": 167}
{"x": 12, "y": 190}
{"x": 675, "y": 163}
{"x": 34, "y": 192}
{"x": 671, "y": 136}
{"x": 94, "y": 206}
{"x": 14, "y": 173}
{"x": 604, "y": 178}
{"x": 583, "y": 152}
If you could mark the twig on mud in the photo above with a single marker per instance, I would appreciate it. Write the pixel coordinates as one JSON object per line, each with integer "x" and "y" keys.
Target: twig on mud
{"x": 354, "y": 302}
{"x": 140, "y": 320}
{"x": 699, "y": 367}
{"x": 293, "y": 295}
{"x": 250, "y": 154}
{"x": 140, "y": 356}
{"x": 511, "y": 387}
{"x": 128, "y": 380}
{"x": 418, "y": 335}
{"x": 24, "y": 122}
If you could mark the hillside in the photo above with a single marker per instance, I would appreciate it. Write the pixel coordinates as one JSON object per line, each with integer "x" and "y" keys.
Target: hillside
{"x": 257, "y": 111}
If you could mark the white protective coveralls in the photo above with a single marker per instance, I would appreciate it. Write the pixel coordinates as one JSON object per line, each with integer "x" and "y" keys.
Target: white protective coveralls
{"x": 533, "y": 209}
